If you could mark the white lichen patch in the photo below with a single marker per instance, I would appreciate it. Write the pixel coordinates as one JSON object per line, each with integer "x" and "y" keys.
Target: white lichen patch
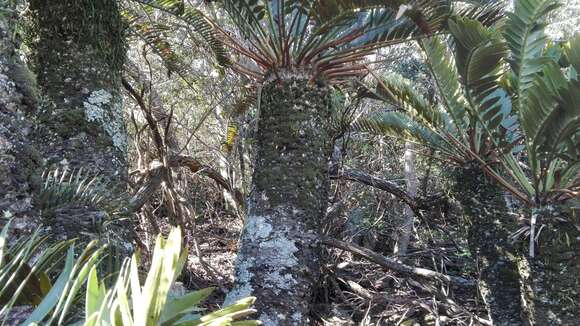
{"x": 101, "y": 107}
{"x": 257, "y": 228}
{"x": 243, "y": 288}
{"x": 297, "y": 317}
{"x": 278, "y": 281}
{"x": 280, "y": 251}
{"x": 269, "y": 320}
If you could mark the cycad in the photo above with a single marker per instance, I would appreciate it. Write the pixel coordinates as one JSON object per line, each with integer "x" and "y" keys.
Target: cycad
{"x": 510, "y": 95}
{"x": 489, "y": 107}
{"x": 297, "y": 52}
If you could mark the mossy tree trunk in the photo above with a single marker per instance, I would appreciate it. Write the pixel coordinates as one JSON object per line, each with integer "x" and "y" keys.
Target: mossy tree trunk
{"x": 77, "y": 52}
{"x": 278, "y": 259}
{"x": 489, "y": 225}
{"x": 19, "y": 160}
{"x": 552, "y": 278}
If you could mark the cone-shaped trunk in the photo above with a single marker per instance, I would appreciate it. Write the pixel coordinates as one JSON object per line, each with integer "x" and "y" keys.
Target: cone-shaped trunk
{"x": 278, "y": 260}
{"x": 489, "y": 226}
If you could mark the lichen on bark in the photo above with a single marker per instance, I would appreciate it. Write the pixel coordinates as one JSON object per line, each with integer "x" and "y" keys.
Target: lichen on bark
{"x": 77, "y": 51}
{"x": 278, "y": 260}
{"x": 19, "y": 159}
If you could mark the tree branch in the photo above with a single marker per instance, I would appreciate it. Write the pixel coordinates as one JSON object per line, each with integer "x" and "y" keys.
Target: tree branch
{"x": 416, "y": 204}
{"x": 395, "y": 265}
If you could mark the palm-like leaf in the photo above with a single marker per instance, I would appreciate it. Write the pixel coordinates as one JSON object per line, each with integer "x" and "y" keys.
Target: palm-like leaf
{"x": 448, "y": 84}
{"x": 526, "y": 39}
{"x": 194, "y": 18}
{"x": 325, "y": 37}
{"x": 401, "y": 125}
{"x": 399, "y": 92}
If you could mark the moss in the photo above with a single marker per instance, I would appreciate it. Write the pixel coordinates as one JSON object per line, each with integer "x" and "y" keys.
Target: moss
{"x": 553, "y": 280}
{"x": 488, "y": 226}
{"x": 293, "y": 142}
{"x": 77, "y": 52}
{"x": 95, "y": 24}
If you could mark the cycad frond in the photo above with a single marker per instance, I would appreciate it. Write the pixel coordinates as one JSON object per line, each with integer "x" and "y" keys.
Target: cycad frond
{"x": 198, "y": 22}
{"x": 524, "y": 34}
{"x": 572, "y": 51}
{"x": 63, "y": 188}
{"x": 153, "y": 34}
{"x": 487, "y": 12}
{"x": 448, "y": 83}
{"x": 397, "y": 124}
{"x": 236, "y": 112}
{"x": 397, "y": 91}
{"x": 325, "y": 37}
{"x": 480, "y": 56}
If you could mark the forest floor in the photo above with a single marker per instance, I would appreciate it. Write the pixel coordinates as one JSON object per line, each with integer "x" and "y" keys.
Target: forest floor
{"x": 353, "y": 291}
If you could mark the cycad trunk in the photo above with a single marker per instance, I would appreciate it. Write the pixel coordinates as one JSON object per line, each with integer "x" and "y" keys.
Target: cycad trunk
{"x": 489, "y": 225}
{"x": 552, "y": 277}
{"x": 278, "y": 259}
{"x": 77, "y": 52}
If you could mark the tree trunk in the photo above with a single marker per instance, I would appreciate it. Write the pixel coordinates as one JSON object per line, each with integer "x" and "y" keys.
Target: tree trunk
{"x": 408, "y": 214}
{"x": 77, "y": 53}
{"x": 278, "y": 259}
{"x": 489, "y": 226}
{"x": 552, "y": 278}
{"x": 19, "y": 159}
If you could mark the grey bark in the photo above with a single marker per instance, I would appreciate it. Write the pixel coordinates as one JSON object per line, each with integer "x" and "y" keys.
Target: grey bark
{"x": 278, "y": 259}
{"x": 19, "y": 159}
{"x": 489, "y": 225}
{"x": 77, "y": 53}
{"x": 408, "y": 214}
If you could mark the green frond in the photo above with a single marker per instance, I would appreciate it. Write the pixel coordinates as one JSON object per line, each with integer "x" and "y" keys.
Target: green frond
{"x": 480, "y": 56}
{"x": 23, "y": 278}
{"x": 154, "y": 35}
{"x": 397, "y": 91}
{"x": 572, "y": 51}
{"x": 236, "y": 113}
{"x": 487, "y": 13}
{"x": 195, "y": 19}
{"x": 448, "y": 83}
{"x": 202, "y": 26}
{"x": 330, "y": 37}
{"x": 525, "y": 37}
{"x": 397, "y": 124}
{"x": 63, "y": 188}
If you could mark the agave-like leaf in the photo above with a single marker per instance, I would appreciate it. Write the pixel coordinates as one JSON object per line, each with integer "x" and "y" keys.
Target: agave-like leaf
{"x": 55, "y": 293}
